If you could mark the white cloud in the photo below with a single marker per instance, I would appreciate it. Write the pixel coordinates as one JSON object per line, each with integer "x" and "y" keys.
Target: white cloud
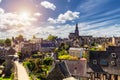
{"x": 67, "y": 16}
{"x": 61, "y": 30}
{"x": 48, "y": 5}
{"x": 1, "y": 11}
{"x": 37, "y": 14}
{"x": 12, "y": 23}
{"x": 51, "y": 20}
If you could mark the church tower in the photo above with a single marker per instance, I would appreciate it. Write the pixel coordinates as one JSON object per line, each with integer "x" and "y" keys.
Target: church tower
{"x": 76, "y": 30}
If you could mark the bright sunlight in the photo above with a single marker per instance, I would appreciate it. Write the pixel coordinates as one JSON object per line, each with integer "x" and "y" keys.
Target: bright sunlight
{"x": 24, "y": 15}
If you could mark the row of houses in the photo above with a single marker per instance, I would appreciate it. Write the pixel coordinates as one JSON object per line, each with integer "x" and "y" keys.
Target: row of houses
{"x": 106, "y": 63}
{"x": 35, "y": 45}
{"x": 6, "y": 51}
{"x": 80, "y": 40}
{"x": 101, "y": 65}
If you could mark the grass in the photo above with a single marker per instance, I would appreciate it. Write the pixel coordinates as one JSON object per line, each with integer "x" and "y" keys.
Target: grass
{"x": 5, "y": 78}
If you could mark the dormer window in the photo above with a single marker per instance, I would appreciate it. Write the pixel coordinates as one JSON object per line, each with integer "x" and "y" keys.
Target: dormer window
{"x": 103, "y": 62}
{"x": 113, "y": 63}
{"x": 94, "y": 61}
{"x": 113, "y": 55}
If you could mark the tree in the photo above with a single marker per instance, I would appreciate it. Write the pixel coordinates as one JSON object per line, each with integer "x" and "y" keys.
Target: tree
{"x": 7, "y": 42}
{"x": 20, "y": 37}
{"x": 33, "y": 36}
{"x": 85, "y": 55}
{"x": 63, "y": 52}
{"x": 48, "y": 61}
{"x": 20, "y": 55}
{"x": 51, "y": 37}
{"x": 2, "y": 41}
{"x": 66, "y": 47}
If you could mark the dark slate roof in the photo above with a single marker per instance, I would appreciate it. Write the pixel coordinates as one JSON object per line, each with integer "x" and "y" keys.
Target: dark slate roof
{"x": 72, "y": 33}
{"x": 77, "y": 67}
{"x": 98, "y": 55}
{"x": 113, "y": 48}
{"x": 95, "y": 68}
{"x": 63, "y": 69}
{"x": 56, "y": 73}
{"x": 48, "y": 44}
{"x": 103, "y": 58}
{"x": 67, "y": 68}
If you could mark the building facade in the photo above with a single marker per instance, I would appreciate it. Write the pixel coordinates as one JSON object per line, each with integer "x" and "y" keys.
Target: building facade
{"x": 105, "y": 64}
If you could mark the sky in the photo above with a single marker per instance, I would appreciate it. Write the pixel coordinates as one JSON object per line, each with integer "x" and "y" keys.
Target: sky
{"x": 58, "y": 17}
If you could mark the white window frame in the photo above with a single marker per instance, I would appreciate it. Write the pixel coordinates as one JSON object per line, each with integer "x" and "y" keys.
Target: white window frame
{"x": 113, "y": 63}
{"x": 94, "y": 61}
{"x": 113, "y": 55}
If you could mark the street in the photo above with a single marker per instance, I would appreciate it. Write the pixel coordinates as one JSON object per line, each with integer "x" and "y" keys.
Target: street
{"x": 22, "y": 74}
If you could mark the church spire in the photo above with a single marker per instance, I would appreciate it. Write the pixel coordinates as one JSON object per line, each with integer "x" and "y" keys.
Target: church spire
{"x": 76, "y": 30}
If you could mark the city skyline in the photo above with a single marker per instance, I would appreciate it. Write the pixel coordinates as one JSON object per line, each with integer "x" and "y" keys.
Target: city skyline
{"x": 58, "y": 17}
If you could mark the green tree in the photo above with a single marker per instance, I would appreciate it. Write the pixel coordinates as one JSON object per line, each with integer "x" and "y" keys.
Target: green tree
{"x": 63, "y": 52}
{"x": 2, "y": 41}
{"x": 8, "y": 42}
{"x": 66, "y": 47}
{"x": 29, "y": 64}
{"x": 20, "y": 55}
{"x": 85, "y": 55}
{"x": 38, "y": 67}
{"x": 47, "y": 61}
{"x": 20, "y": 37}
{"x": 33, "y": 36}
{"x": 51, "y": 37}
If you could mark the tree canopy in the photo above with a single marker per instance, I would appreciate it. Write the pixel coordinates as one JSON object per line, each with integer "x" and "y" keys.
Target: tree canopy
{"x": 8, "y": 42}
{"x": 2, "y": 41}
{"x": 20, "y": 37}
{"x": 33, "y": 36}
{"x": 51, "y": 37}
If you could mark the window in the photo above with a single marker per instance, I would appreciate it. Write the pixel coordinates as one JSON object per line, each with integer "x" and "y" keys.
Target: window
{"x": 94, "y": 61}
{"x": 113, "y": 55}
{"x": 96, "y": 75}
{"x": 103, "y": 62}
{"x": 113, "y": 63}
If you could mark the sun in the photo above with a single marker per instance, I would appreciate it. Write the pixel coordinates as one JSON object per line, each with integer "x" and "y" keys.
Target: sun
{"x": 24, "y": 15}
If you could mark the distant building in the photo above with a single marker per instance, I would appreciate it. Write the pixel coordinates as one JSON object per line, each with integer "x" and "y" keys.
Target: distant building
{"x": 75, "y": 34}
{"x": 38, "y": 44}
{"x": 77, "y": 52}
{"x": 79, "y": 40}
{"x": 65, "y": 41}
{"x": 47, "y": 46}
{"x": 26, "y": 49}
{"x": 5, "y": 51}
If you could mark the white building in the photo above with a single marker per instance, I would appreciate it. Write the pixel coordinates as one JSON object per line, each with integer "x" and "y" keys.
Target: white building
{"x": 77, "y": 52}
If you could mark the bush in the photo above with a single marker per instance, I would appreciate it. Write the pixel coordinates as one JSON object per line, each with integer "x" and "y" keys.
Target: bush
{"x": 12, "y": 76}
{"x": 20, "y": 55}
{"x": 68, "y": 57}
{"x": 63, "y": 52}
{"x": 47, "y": 61}
{"x": 29, "y": 64}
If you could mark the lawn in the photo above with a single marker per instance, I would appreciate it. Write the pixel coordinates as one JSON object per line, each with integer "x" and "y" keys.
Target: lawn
{"x": 5, "y": 79}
